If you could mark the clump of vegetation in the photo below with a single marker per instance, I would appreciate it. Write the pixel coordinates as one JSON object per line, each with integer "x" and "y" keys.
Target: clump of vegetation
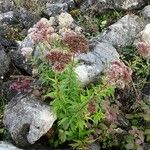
{"x": 31, "y": 5}
{"x": 92, "y": 113}
{"x": 93, "y": 24}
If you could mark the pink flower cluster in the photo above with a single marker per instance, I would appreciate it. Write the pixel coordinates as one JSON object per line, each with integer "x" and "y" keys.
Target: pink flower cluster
{"x": 76, "y": 42}
{"x": 91, "y": 107}
{"x": 119, "y": 74}
{"x": 143, "y": 49}
{"x": 59, "y": 59}
{"x": 41, "y": 31}
{"x": 20, "y": 86}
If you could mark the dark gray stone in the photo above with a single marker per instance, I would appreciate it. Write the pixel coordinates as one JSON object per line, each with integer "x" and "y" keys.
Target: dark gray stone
{"x": 103, "y": 5}
{"x": 6, "y": 5}
{"x": 20, "y": 61}
{"x": 55, "y": 9}
{"x": 4, "y": 63}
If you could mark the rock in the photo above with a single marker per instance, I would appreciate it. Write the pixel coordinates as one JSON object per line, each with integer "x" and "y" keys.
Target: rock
{"x": 94, "y": 62}
{"x": 8, "y": 44}
{"x": 123, "y": 123}
{"x": 27, "y": 119}
{"x": 20, "y": 61}
{"x": 146, "y": 12}
{"x": 6, "y": 5}
{"x": 4, "y": 63}
{"x": 146, "y": 146}
{"x": 55, "y": 9}
{"x": 26, "y": 18}
{"x": 7, "y": 146}
{"x": 94, "y": 146}
{"x": 123, "y": 32}
{"x": 144, "y": 36}
{"x": 20, "y": 16}
{"x": 146, "y": 88}
{"x": 104, "y": 5}
{"x": 129, "y": 4}
{"x": 7, "y": 17}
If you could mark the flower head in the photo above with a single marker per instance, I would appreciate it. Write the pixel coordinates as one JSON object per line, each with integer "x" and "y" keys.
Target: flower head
{"x": 143, "y": 49}
{"x": 76, "y": 42}
{"x": 59, "y": 59}
{"x": 91, "y": 106}
{"x": 119, "y": 74}
{"x": 20, "y": 86}
{"x": 41, "y": 31}
{"x": 65, "y": 20}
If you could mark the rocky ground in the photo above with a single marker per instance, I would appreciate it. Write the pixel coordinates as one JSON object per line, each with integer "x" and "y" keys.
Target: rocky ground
{"x": 114, "y": 26}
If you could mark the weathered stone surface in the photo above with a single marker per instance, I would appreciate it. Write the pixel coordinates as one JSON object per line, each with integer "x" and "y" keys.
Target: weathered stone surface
{"x": 103, "y": 5}
{"x": 143, "y": 36}
{"x": 146, "y": 12}
{"x": 7, "y": 146}
{"x": 8, "y": 44}
{"x": 123, "y": 32}
{"x": 20, "y": 61}
{"x": 4, "y": 63}
{"x": 6, "y": 5}
{"x": 7, "y": 16}
{"x": 27, "y": 119}
{"x": 20, "y": 16}
{"x": 55, "y": 7}
{"x": 94, "y": 62}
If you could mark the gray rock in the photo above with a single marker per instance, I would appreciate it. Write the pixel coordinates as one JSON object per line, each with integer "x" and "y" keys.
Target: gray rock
{"x": 4, "y": 63}
{"x": 94, "y": 146}
{"x": 6, "y": 5}
{"x": 146, "y": 12}
{"x": 27, "y": 42}
{"x": 55, "y": 9}
{"x": 7, "y": 44}
{"x": 146, "y": 146}
{"x": 103, "y": 5}
{"x": 123, "y": 32}
{"x": 20, "y": 61}
{"x": 27, "y": 119}
{"x": 93, "y": 63}
{"x": 20, "y": 16}
{"x": 6, "y": 16}
{"x": 7, "y": 146}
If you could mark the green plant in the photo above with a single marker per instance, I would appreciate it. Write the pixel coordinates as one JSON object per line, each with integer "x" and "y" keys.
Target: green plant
{"x": 74, "y": 106}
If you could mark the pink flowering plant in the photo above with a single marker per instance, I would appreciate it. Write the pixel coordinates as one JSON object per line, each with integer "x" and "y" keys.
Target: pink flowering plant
{"x": 81, "y": 111}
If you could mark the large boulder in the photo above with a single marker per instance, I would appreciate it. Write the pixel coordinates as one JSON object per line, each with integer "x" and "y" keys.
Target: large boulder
{"x": 27, "y": 119}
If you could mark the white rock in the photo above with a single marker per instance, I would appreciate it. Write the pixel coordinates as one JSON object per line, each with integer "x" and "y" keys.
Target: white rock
{"x": 145, "y": 34}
